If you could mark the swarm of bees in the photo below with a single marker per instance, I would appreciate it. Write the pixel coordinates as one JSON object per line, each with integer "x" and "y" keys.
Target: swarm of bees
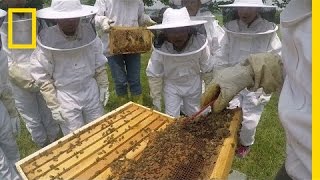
{"x": 181, "y": 151}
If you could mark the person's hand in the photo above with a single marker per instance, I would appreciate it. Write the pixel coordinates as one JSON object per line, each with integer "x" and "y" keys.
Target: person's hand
{"x": 258, "y": 70}
{"x": 58, "y": 115}
{"x": 106, "y": 24}
{"x": 104, "y": 96}
{"x": 15, "y": 122}
{"x": 147, "y": 21}
{"x": 155, "y": 84}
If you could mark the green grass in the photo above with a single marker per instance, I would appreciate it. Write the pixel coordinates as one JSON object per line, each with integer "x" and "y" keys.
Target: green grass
{"x": 267, "y": 154}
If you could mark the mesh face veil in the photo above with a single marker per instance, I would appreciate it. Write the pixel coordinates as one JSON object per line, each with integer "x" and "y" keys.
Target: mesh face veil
{"x": 66, "y": 34}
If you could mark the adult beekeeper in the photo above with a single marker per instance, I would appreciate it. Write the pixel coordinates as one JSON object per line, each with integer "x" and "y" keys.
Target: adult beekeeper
{"x": 9, "y": 118}
{"x": 265, "y": 70}
{"x": 28, "y": 98}
{"x": 247, "y": 32}
{"x": 125, "y": 68}
{"x": 179, "y": 56}
{"x": 68, "y": 64}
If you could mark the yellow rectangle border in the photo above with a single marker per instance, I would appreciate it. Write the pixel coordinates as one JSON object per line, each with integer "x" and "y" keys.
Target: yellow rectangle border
{"x": 33, "y": 12}
{"x": 315, "y": 91}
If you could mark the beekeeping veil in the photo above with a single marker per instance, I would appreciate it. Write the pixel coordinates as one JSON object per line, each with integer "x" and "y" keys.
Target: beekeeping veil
{"x": 264, "y": 12}
{"x": 72, "y": 13}
{"x": 174, "y": 19}
{"x": 178, "y": 3}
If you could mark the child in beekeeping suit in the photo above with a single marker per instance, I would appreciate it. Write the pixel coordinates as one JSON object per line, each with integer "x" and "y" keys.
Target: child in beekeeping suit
{"x": 247, "y": 32}
{"x": 125, "y": 68}
{"x": 199, "y": 10}
{"x": 176, "y": 62}
{"x": 68, "y": 64}
{"x": 9, "y": 152}
{"x": 29, "y": 101}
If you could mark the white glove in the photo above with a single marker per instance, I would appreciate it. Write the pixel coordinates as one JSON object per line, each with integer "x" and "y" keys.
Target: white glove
{"x": 106, "y": 24}
{"x": 18, "y": 76}
{"x": 155, "y": 84}
{"x": 57, "y": 115}
{"x": 104, "y": 95}
{"x": 101, "y": 77}
{"x": 146, "y": 20}
{"x": 15, "y": 122}
{"x": 49, "y": 92}
{"x": 259, "y": 70}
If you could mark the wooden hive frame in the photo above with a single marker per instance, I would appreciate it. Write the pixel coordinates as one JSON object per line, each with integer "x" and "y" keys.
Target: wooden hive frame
{"x": 88, "y": 152}
{"x": 128, "y": 40}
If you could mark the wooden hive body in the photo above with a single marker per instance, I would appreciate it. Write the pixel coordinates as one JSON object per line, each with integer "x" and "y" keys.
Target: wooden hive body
{"x": 128, "y": 40}
{"x": 88, "y": 152}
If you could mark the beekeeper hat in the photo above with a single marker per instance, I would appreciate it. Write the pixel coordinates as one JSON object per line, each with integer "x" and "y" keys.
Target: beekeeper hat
{"x": 64, "y": 9}
{"x": 174, "y": 18}
{"x": 247, "y": 3}
{"x": 178, "y": 2}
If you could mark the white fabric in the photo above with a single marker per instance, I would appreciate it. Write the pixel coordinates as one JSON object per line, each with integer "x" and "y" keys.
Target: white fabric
{"x": 31, "y": 105}
{"x": 295, "y": 98}
{"x": 72, "y": 73}
{"x": 37, "y": 116}
{"x": 101, "y": 77}
{"x": 155, "y": 84}
{"x": 173, "y": 18}
{"x": 62, "y": 9}
{"x": 7, "y": 172}
{"x": 123, "y": 12}
{"x": 181, "y": 76}
{"x": 15, "y": 123}
{"x": 2, "y": 13}
{"x": 106, "y": 24}
{"x": 178, "y": 2}
{"x": 58, "y": 115}
{"x": 104, "y": 95}
{"x": 247, "y": 3}
{"x": 214, "y": 32}
{"x": 9, "y": 153}
{"x": 236, "y": 47}
{"x": 238, "y": 43}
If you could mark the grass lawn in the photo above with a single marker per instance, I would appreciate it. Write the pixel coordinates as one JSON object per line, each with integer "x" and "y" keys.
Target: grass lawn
{"x": 267, "y": 154}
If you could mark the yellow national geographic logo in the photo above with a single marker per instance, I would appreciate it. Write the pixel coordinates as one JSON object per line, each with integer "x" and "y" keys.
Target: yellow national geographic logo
{"x": 10, "y": 28}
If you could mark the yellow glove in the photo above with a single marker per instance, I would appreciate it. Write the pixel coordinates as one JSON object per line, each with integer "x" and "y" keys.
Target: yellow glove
{"x": 259, "y": 70}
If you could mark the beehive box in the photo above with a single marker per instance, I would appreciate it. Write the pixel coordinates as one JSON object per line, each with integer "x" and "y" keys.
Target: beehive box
{"x": 129, "y": 40}
{"x": 89, "y": 152}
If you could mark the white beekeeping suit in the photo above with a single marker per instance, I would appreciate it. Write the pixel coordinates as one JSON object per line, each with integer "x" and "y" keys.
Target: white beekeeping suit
{"x": 28, "y": 98}
{"x": 70, "y": 69}
{"x": 9, "y": 153}
{"x": 295, "y": 99}
{"x": 126, "y": 13}
{"x": 239, "y": 42}
{"x": 177, "y": 73}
